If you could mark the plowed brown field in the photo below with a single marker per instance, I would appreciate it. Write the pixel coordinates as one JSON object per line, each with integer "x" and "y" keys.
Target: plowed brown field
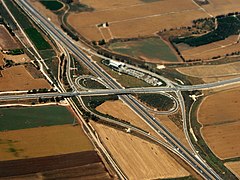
{"x": 6, "y": 40}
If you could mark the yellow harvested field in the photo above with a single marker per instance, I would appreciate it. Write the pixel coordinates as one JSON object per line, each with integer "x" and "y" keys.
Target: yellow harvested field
{"x": 1, "y": 59}
{"x": 220, "y": 116}
{"x": 106, "y": 4}
{"x": 169, "y": 124}
{"x": 219, "y": 108}
{"x": 220, "y": 48}
{"x": 18, "y": 58}
{"x": 223, "y": 139}
{"x": 138, "y": 158}
{"x": 18, "y": 78}
{"x": 210, "y": 52}
{"x": 135, "y": 18}
{"x": 119, "y": 110}
{"x": 234, "y": 167}
{"x": 207, "y": 71}
{"x": 43, "y": 141}
{"x": 219, "y": 7}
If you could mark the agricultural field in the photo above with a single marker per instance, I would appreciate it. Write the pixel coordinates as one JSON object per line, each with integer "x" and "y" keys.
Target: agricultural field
{"x": 149, "y": 50}
{"x": 211, "y": 73}
{"x": 22, "y": 118}
{"x": 217, "y": 7}
{"x": 52, "y": 5}
{"x": 42, "y": 141}
{"x": 18, "y": 78}
{"x": 52, "y": 166}
{"x": 219, "y": 114}
{"x": 6, "y": 40}
{"x": 134, "y": 18}
{"x": 37, "y": 39}
{"x": 119, "y": 110}
{"x": 208, "y": 51}
{"x": 234, "y": 167}
{"x": 136, "y": 156}
{"x": 21, "y": 58}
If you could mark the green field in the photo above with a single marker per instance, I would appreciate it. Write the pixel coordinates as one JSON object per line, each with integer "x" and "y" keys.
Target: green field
{"x": 24, "y": 22}
{"x": 52, "y": 5}
{"x": 151, "y": 48}
{"x": 22, "y": 118}
{"x": 37, "y": 39}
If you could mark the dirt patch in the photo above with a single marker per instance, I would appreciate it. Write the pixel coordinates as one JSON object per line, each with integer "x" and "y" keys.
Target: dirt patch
{"x": 234, "y": 167}
{"x": 1, "y": 59}
{"x": 220, "y": 116}
{"x": 6, "y": 40}
{"x": 139, "y": 159}
{"x": 34, "y": 165}
{"x": 18, "y": 78}
{"x": 43, "y": 141}
{"x": 121, "y": 111}
{"x": 135, "y": 18}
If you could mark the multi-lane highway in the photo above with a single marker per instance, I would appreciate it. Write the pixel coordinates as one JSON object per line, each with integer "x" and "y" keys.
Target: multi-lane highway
{"x": 62, "y": 39}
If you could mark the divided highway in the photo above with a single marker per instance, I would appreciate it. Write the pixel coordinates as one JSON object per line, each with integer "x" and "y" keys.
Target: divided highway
{"x": 64, "y": 40}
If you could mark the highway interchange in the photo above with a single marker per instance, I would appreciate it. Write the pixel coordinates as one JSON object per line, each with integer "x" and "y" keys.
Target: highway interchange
{"x": 115, "y": 88}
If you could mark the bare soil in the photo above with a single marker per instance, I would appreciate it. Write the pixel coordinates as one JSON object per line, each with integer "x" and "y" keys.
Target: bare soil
{"x": 6, "y": 40}
{"x": 1, "y": 59}
{"x": 35, "y": 165}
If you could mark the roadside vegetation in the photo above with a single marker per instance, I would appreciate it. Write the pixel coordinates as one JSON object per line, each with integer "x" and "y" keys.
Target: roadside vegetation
{"x": 158, "y": 101}
{"x": 52, "y": 5}
{"x": 91, "y": 84}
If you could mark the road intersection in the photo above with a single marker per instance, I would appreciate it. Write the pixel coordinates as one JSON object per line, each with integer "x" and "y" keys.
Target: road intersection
{"x": 115, "y": 88}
